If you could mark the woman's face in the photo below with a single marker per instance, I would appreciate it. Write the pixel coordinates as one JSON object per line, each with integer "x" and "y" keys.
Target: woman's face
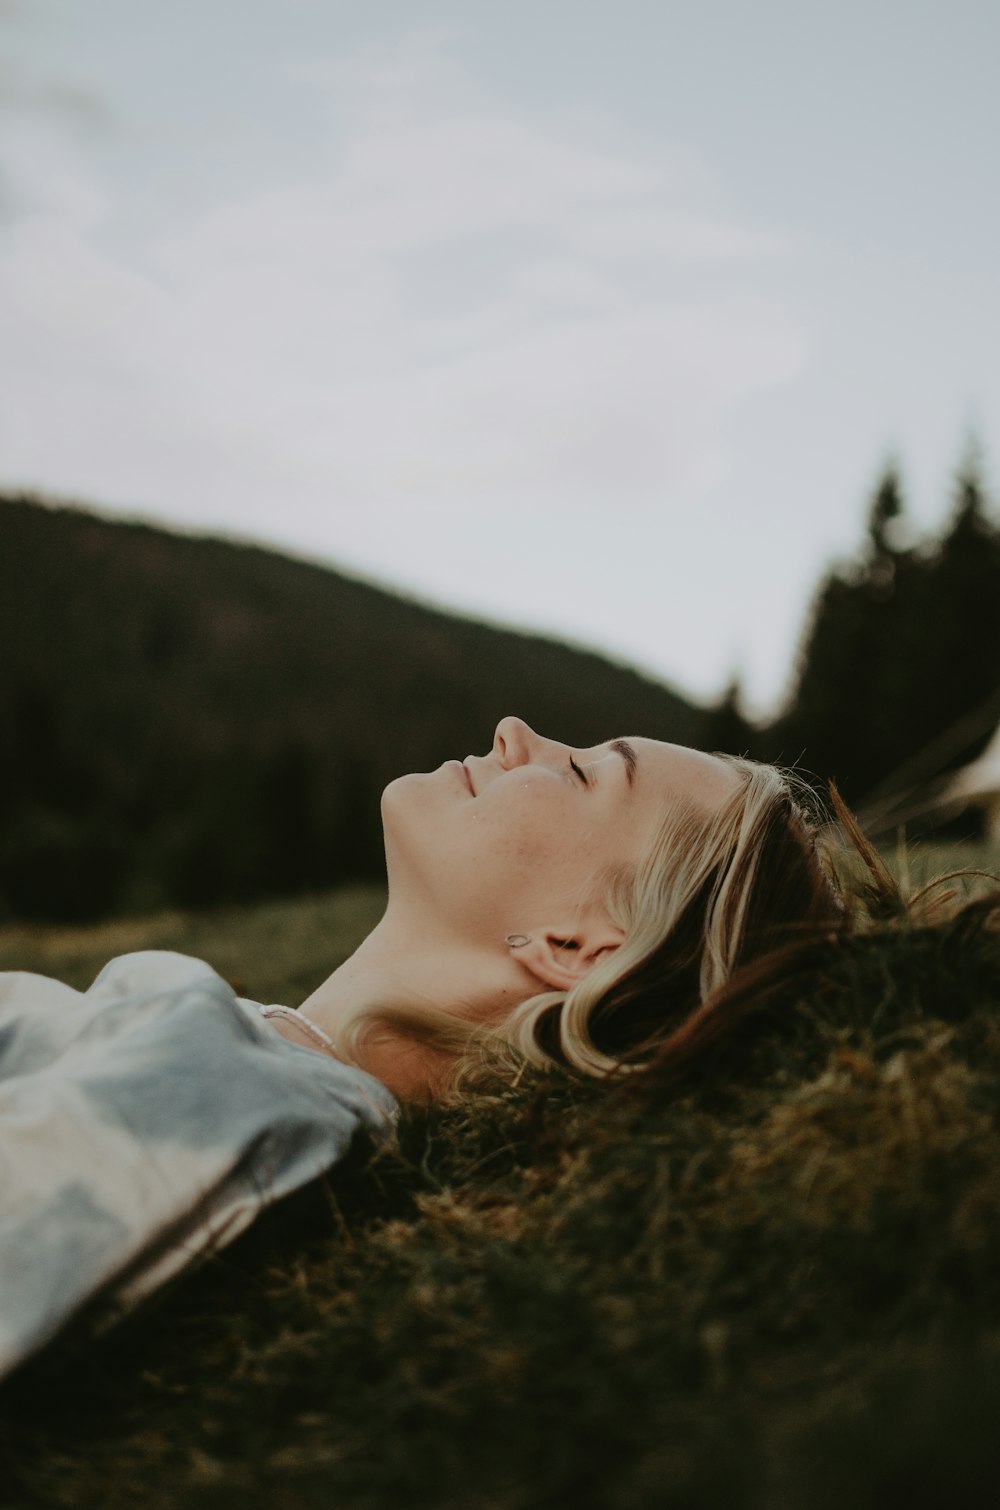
{"x": 516, "y": 840}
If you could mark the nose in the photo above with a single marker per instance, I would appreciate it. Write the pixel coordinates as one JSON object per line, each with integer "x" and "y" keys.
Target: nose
{"x": 514, "y": 742}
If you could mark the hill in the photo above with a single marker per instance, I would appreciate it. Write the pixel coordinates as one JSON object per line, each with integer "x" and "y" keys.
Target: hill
{"x": 191, "y": 720}
{"x": 771, "y": 1282}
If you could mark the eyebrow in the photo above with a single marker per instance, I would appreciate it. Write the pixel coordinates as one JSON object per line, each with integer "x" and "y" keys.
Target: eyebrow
{"x": 627, "y": 753}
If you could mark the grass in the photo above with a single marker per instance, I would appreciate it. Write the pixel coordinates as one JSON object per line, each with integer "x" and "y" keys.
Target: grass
{"x": 772, "y": 1284}
{"x": 274, "y": 951}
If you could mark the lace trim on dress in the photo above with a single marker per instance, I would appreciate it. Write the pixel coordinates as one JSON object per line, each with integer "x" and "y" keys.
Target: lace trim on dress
{"x": 310, "y": 1028}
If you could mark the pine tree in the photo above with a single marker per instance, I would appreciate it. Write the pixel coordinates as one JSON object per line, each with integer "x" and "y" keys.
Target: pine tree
{"x": 963, "y": 655}
{"x": 886, "y": 510}
{"x": 901, "y": 645}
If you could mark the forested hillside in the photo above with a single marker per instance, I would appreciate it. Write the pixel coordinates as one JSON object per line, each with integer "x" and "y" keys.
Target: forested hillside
{"x": 189, "y": 720}
{"x": 897, "y": 676}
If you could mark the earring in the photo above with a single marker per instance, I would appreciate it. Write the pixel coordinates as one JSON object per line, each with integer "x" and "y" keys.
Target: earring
{"x": 517, "y": 940}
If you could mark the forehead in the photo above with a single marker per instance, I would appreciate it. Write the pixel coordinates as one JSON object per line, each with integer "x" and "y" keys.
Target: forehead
{"x": 668, "y": 770}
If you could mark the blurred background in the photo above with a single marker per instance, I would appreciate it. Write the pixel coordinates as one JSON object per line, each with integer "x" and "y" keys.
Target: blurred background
{"x": 369, "y": 372}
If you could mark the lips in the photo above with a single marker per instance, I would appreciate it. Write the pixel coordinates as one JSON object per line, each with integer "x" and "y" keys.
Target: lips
{"x": 463, "y": 775}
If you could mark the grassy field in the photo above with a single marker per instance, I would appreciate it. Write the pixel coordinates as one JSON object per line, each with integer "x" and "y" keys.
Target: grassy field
{"x": 273, "y": 951}
{"x": 771, "y": 1285}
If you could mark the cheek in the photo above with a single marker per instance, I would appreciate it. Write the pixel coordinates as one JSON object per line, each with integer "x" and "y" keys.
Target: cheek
{"x": 473, "y": 859}
{"x": 533, "y": 841}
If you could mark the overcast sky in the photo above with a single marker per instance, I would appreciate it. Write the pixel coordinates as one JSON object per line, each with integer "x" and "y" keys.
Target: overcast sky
{"x": 597, "y": 316}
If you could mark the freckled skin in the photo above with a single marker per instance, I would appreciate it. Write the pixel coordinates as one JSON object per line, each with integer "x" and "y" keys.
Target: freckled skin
{"x": 512, "y": 844}
{"x": 533, "y": 836}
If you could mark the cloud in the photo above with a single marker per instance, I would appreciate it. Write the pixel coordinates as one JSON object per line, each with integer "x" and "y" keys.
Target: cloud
{"x": 43, "y": 121}
{"x": 469, "y": 326}
{"x": 22, "y": 92}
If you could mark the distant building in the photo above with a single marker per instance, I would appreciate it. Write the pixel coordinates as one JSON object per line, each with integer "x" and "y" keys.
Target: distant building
{"x": 933, "y": 796}
{"x": 978, "y": 785}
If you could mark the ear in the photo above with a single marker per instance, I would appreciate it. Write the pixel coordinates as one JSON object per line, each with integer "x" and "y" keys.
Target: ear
{"x": 560, "y": 957}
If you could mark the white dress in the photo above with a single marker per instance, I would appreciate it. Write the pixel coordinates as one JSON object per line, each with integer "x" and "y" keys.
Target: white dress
{"x": 143, "y": 1124}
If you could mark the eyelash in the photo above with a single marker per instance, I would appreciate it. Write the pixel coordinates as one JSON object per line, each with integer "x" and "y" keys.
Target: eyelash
{"x": 576, "y": 769}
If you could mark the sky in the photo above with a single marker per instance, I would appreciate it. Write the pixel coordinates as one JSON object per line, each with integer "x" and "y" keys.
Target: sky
{"x": 600, "y": 317}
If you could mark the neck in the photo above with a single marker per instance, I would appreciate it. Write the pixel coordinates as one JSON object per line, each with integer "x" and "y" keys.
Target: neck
{"x": 389, "y": 967}
{"x": 410, "y": 967}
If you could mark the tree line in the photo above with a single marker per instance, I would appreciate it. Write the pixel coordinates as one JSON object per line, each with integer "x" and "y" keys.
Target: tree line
{"x": 189, "y": 721}
{"x": 897, "y": 675}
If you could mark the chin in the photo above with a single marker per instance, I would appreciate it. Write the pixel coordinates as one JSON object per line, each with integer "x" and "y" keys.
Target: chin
{"x": 401, "y": 806}
{"x": 396, "y": 792}
{"x": 407, "y": 831}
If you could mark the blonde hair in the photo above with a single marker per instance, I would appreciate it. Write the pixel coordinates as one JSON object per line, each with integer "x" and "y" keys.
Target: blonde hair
{"x": 711, "y": 891}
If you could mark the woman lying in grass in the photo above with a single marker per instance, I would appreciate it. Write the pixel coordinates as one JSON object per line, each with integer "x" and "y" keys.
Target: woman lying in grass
{"x": 553, "y": 905}
{"x": 602, "y": 910}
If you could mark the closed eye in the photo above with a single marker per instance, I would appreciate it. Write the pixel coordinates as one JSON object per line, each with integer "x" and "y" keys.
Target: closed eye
{"x": 578, "y": 772}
